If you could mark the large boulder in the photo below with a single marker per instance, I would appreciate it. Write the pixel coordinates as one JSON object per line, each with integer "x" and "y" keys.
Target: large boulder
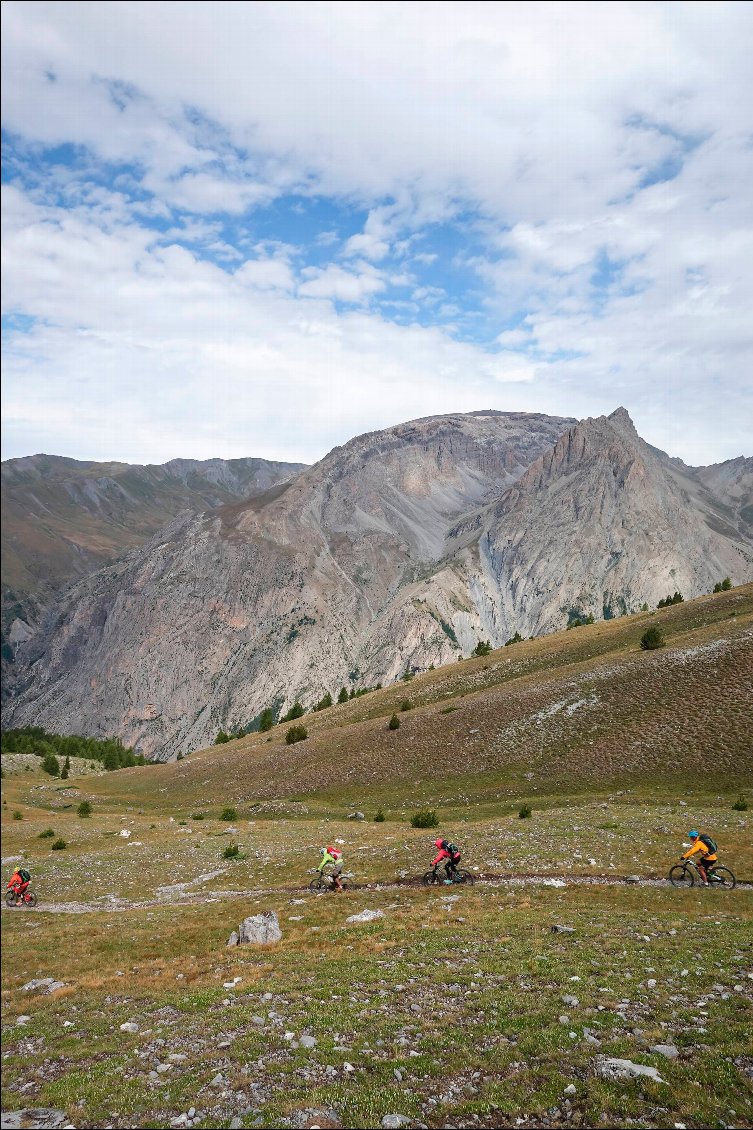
{"x": 257, "y": 929}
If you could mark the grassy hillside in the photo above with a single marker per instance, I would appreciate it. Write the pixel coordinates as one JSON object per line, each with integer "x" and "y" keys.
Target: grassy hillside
{"x": 449, "y": 1009}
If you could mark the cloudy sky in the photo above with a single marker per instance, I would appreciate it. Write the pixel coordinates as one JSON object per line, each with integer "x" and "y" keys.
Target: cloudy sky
{"x": 262, "y": 228}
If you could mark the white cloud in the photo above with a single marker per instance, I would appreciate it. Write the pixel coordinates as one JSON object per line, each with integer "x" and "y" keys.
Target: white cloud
{"x": 534, "y": 129}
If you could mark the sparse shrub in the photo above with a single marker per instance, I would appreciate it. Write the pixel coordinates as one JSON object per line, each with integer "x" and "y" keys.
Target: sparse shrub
{"x": 407, "y": 674}
{"x": 517, "y": 638}
{"x": 406, "y": 704}
{"x": 229, "y": 814}
{"x": 221, "y": 738}
{"x": 232, "y": 851}
{"x": 652, "y": 638}
{"x": 197, "y": 815}
{"x": 296, "y": 734}
{"x": 379, "y": 816}
{"x": 324, "y": 702}
{"x": 741, "y": 804}
{"x": 182, "y": 823}
{"x": 343, "y": 695}
{"x": 394, "y": 723}
{"x": 425, "y": 819}
{"x": 48, "y": 834}
{"x": 64, "y": 774}
{"x": 579, "y": 621}
{"x": 723, "y": 586}
{"x": 644, "y": 607}
{"x": 67, "y": 763}
{"x": 483, "y": 647}
{"x": 18, "y": 815}
{"x": 85, "y": 808}
{"x": 525, "y": 812}
{"x": 51, "y": 765}
{"x": 296, "y": 711}
{"x": 59, "y": 845}
{"x": 179, "y": 757}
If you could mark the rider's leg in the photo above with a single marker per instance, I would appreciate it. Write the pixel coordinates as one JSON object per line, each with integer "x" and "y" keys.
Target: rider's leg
{"x": 703, "y": 871}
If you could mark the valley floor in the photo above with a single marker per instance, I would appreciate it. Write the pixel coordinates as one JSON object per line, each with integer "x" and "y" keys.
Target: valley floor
{"x": 458, "y": 1008}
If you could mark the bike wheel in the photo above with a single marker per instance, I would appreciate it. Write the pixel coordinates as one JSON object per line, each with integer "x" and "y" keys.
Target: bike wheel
{"x": 465, "y": 877}
{"x": 681, "y": 876}
{"x": 31, "y": 898}
{"x": 430, "y": 878}
{"x": 319, "y": 883}
{"x": 10, "y": 898}
{"x": 722, "y": 877}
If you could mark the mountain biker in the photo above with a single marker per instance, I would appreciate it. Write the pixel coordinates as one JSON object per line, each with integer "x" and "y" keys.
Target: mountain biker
{"x": 451, "y": 855}
{"x": 19, "y": 882}
{"x": 333, "y": 856}
{"x": 706, "y": 848}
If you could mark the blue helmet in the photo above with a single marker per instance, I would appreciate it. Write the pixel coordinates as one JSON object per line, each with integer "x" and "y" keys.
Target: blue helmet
{"x": 693, "y": 835}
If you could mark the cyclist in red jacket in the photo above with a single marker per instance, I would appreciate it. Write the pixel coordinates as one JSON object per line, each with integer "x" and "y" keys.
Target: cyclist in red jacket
{"x": 19, "y": 882}
{"x": 451, "y": 856}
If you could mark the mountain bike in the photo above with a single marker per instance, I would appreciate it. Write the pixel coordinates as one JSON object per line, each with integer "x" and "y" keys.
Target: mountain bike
{"x": 323, "y": 881}
{"x": 28, "y": 898}
{"x": 434, "y": 876}
{"x": 686, "y": 874}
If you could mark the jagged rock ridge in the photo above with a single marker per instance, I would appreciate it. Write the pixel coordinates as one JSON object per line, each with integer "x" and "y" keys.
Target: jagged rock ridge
{"x": 401, "y": 548}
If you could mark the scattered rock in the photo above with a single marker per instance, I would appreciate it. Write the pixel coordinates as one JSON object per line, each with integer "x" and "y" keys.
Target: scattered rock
{"x": 395, "y": 1121}
{"x": 570, "y": 1089}
{"x": 572, "y": 1001}
{"x": 257, "y": 929}
{"x": 356, "y": 816}
{"x": 632, "y": 878}
{"x": 669, "y": 1051}
{"x": 129, "y": 1026}
{"x": 35, "y": 1118}
{"x": 366, "y": 916}
{"x": 21, "y": 1020}
{"x": 610, "y": 1068}
{"x": 563, "y": 929}
{"x": 307, "y": 1041}
{"x": 43, "y": 985}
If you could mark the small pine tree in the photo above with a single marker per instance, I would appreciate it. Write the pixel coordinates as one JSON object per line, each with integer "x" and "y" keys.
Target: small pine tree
{"x": 644, "y": 607}
{"x": 652, "y": 638}
{"x": 296, "y": 711}
{"x": 517, "y": 638}
{"x": 51, "y": 765}
{"x": 85, "y": 808}
{"x": 229, "y": 814}
{"x": 64, "y": 774}
{"x": 741, "y": 804}
{"x": 394, "y": 723}
{"x": 59, "y": 845}
{"x": 232, "y": 851}
{"x": 406, "y": 704}
{"x": 343, "y": 695}
{"x": 483, "y": 647}
{"x": 379, "y": 816}
{"x": 525, "y": 812}
{"x": 296, "y": 734}
{"x": 407, "y": 675}
{"x": 221, "y": 738}
{"x": 266, "y": 720}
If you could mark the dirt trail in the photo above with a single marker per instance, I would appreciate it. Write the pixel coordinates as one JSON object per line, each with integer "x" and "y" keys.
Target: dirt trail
{"x": 110, "y": 904}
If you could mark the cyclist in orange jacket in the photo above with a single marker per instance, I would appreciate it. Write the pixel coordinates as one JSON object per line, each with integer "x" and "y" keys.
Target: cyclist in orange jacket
{"x": 702, "y": 845}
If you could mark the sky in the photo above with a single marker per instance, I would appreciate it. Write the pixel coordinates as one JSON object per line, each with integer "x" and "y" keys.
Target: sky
{"x": 259, "y": 229}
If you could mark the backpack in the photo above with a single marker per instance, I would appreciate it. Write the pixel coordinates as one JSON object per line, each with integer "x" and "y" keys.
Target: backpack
{"x": 25, "y": 876}
{"x": 453, "y": 850}
{"x": 710, "y": 844}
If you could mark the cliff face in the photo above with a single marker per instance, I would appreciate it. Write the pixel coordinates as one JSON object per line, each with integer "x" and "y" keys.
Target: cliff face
{"x": 63, "y": 519}
{"x": 402, "y": 548}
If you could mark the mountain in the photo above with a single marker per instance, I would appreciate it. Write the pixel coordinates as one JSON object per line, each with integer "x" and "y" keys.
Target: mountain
{"x": 63, "y": 518}
{"x": 398, "y": 550}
